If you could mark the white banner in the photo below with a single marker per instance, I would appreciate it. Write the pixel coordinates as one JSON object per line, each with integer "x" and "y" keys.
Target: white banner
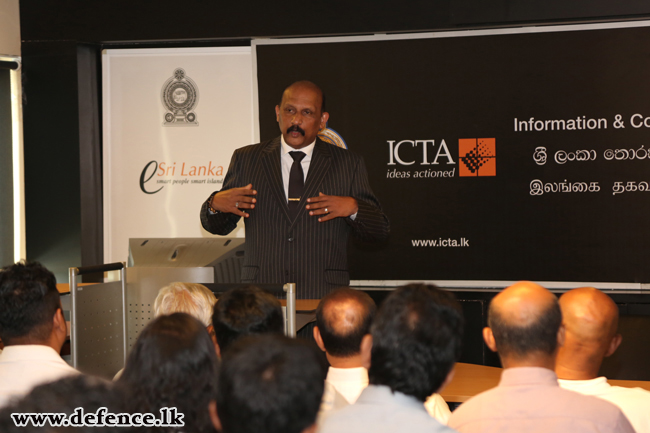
{"x": 172, "y": 119}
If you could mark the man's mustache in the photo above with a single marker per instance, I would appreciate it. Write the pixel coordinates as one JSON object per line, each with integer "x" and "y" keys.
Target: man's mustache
{"x": 296, "y": 128}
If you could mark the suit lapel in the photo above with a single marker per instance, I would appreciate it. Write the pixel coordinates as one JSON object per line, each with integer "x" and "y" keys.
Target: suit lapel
{"x": 273, "y": 170}
{"x": 321, "y": 160}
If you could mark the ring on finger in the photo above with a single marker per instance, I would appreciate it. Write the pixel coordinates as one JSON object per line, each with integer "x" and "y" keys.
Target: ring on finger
{"x": 237, "y": 204}
{"x": 326, "y": 211}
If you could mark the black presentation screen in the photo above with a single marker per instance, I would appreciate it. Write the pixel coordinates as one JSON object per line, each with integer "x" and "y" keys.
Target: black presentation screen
{"x": 501, "y": 157}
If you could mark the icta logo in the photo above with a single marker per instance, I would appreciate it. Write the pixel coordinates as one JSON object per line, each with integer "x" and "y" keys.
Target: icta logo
{"x": 479, "y": 157}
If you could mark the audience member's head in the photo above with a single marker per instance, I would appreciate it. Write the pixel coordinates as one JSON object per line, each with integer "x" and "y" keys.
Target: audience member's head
{"x": 191, "y": 298}
{"x": 343, "y": 318}
{"x": 30, "y": 309}
{"x": 245, "y": 311}
{"x": 172, "y": 364}
{"x": 63, "y": 397}
{"x": 590, "y": 318}
{"x": 269, "y": 384}
{"x": 525, "y": 326}
{"x": 416, "y": 340}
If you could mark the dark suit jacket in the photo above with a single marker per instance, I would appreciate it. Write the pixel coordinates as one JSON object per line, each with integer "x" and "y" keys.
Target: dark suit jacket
{"x": 303, "y": 251}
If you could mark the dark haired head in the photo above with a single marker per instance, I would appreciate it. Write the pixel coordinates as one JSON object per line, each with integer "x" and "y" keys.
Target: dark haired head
{"x": 28, "y": 301}
{"x": 417, "y": 338}
{"x": 525, "y": 319}
{"x": 173, "y": 364}
{"x": 245, "y": 311}
{"x": 343, "y": 317}
{"x": 270, "y": 384}
{"x": 64, "y": 396}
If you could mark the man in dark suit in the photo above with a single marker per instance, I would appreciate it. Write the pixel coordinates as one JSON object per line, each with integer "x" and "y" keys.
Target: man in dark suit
{"x": 300, "y": 197}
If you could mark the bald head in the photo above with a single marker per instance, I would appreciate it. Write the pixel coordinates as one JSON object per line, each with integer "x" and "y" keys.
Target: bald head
{"x": 589, "y": 315}
{"x": 525, "y": 319}
{"x": 522, "y": 303}
{"x": 591, "y": 321}
{"x": 343, "y": 318}
{"x": 304, "y": 85}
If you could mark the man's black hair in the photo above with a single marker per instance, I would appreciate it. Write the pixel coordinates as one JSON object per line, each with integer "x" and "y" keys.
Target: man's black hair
{"x": 323, "y": 106}
{"x": 28, "y": 301}
{"x": 173, "y": 363}
{"x": 520, "y": 341}
{"x": 64, "y": 396}
{"x": 270, "y": 384}
{"x": 417, "y": 337}
{"x": 245, "y": 311}
{"x": 342, "y": 333}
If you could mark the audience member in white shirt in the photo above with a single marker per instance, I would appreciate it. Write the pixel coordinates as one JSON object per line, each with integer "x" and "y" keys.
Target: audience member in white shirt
{"x": 591, "y": 321}
{"x": 414, "y": 343}
{"x": 32, "y": 328}
{"x": 343, "y": 318}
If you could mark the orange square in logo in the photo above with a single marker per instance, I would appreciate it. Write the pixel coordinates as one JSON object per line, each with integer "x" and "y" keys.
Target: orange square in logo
{"x": 477, "y": 157}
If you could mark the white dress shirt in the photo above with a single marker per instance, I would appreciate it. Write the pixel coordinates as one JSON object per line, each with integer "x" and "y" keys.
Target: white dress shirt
{"x": 350, "y": 382}
{"x": 438, "y": 408}
{"x": 634, "y": 402}
{"x": 22, "y": 367}
{"x": 287, "y": 162}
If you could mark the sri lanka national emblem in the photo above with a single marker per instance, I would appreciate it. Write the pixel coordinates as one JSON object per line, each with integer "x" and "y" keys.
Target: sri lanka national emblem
{"x": 180, "y": 96}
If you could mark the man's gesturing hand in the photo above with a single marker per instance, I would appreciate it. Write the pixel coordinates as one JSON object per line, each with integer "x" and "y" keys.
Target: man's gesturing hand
{"x": 331, "y": 206}
{"x": 234, "y": 200}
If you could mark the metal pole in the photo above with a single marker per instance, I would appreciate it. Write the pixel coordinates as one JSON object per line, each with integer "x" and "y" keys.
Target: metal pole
{"x": 72, "y": 277}
{"x": 290, "y": 288}
{"x": 123, "y": 278}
